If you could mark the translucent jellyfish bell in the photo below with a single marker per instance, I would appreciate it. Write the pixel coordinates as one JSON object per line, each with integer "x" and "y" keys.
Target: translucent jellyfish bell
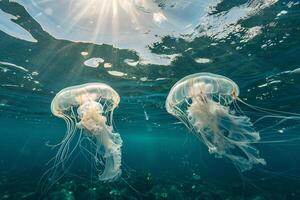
{"x": 95, "y": 103}
{"x": 202, "y": 102}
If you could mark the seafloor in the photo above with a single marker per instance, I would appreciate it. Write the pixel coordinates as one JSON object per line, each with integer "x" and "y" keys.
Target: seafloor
{"x": 26, "y": 186}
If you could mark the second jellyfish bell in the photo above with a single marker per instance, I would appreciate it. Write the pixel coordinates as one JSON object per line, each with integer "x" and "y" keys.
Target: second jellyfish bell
{"x": 207, "y": 104}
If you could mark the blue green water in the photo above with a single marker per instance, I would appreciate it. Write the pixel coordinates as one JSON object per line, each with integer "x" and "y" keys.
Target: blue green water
{"x": 45, "y": 46}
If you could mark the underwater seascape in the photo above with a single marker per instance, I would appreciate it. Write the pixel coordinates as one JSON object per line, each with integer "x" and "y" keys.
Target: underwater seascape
{"x": 150, "y": 99}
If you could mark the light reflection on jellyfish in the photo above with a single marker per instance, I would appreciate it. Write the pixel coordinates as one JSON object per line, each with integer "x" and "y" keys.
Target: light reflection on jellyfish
{"x": 95, "y": 103}
{"x": 207, "y": 104}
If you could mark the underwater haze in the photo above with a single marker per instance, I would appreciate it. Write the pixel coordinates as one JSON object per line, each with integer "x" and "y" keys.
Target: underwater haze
{"x": 141, "y": 48}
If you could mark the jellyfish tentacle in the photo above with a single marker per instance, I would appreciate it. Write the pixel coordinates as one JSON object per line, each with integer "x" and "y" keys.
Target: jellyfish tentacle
{"x": 76, "y": 145}
{"x": 54, "y": 173}
{"x": 64, "y": 148}
{"x": 182, "y": 117}
{"x": 66, "y": 135}
{"x": 283, "y": 119}
{"x": 61, "y": 154}
{"x": 279, "y": 117}
{"x": 269, "y": 111}
{"x": 97, "y": 161}
{"x": 238, "y": 108}
{"x": 250, "y": 152}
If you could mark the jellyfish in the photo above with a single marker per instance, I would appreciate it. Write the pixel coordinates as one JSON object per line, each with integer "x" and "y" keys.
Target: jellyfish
{"x": 206, "y": 104}
{"x": 89, "y": 108}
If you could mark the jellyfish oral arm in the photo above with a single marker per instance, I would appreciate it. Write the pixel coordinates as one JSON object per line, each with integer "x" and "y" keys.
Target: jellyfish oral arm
{"x": 224, "y": 134}
{"x": 92, "y": 120}
{"x": 111, "y": 143}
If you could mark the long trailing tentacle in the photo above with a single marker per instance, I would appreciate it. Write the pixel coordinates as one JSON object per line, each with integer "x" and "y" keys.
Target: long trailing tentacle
{"x": 278, "y": 117}
{"x": 270, "y": 111}
{"x": 58, "y": 169}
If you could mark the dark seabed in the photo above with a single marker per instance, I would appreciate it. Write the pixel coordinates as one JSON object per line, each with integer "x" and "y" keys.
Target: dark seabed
{"x": 141, "y": 49}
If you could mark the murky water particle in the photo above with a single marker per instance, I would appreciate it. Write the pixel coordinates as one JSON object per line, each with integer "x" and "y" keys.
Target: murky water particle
{"x": 3, "y": 102}
{"x": 280, "y": 131}
{"x": 93, "y": 62}
{"x": 131, "y": 62}
{"x": 161, "y": 79}
{"x": 291, "y": 3}
{"x": 203, "y": 60}
{"x": 283, "y": 12}
{"x": 107, "y": 65}
{"x": 116, "y": 73}
{"x": 146, "y": 115}
{"x": 164, "y": 195}
{"x": 84, "y": 53}
{"x": 9, "y": 85}
{"x": 196, "y": 176}
{"x": 4, "y": 69}
{"x": 263, "y": 46}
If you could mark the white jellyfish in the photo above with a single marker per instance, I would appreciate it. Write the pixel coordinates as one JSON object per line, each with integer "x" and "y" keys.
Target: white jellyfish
{"x": 207, "y": 104}
{"x": 95, "y": 103}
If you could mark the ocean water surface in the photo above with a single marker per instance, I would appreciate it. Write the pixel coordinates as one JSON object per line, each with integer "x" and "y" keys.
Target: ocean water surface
{"x": 141, "y": 48}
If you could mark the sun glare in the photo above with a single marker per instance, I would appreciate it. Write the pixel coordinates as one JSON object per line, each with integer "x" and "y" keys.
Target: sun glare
{"x": 111, "y": 15}
{"x": 122, "y": 23}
